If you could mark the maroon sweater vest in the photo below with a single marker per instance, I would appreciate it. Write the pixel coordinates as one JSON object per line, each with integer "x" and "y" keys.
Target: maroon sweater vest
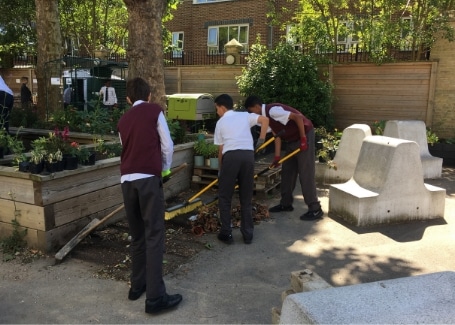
{"x": 141, "y": 151}
{"x": 291, "y": 132}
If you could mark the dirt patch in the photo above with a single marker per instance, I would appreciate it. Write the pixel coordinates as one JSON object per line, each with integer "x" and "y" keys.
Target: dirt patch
{"x": 186, "y": 236}
{"x": 108, "y": 249}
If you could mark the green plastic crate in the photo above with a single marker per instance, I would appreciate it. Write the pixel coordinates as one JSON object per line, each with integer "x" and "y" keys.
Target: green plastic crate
{"x": 193, "y": 107}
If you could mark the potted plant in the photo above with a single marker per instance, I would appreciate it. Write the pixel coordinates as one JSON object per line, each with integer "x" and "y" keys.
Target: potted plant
{"x": 86, "y": 157}
{"x": 212, "y": 153}
{"x": 199, "y": 152}
{"x": 37, "y": 155}
{"x": 327, "y": 146}
{"x": 36, "y": 160}
{"x": 70, "y": 156}
{"x": 54, "y": 161}
{"x": 17, "y": 148}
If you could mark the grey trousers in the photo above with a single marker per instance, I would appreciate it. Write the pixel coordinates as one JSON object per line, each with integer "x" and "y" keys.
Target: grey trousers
{"x": 237, "y": 166}
{"x": 144, "y": 206}
{"x": 302, "y": 165}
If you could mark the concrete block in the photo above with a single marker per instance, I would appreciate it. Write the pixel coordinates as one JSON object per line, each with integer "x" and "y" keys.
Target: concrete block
{"x": 307, "y": 280}
{"x": 414, "y": 130}
{"x": 421, "y": 299}
{"x": 347, "y": 154}
{"x": 387, "y": 186}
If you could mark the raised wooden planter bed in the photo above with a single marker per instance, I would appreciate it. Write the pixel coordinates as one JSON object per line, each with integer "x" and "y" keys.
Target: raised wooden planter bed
{"x": 53, "y": 208}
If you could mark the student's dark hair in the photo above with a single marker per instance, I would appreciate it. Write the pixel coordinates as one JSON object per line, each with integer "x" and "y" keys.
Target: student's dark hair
{"x": 225, "y": 100}
{"x": 252, "y": 101}
{"x": 137, "y": 89}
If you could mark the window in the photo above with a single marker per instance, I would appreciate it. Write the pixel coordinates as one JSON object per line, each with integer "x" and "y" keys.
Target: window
{"x": 177, "y": 44}
{"x": 218, "y": 36}
{"x": 291, "y": 37}
{"x": 406, "y": 33}
{"x": 348, "y": 35}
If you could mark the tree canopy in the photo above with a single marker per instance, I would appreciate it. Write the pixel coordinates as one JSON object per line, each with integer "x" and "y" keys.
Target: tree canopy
{"x": 372, "y": 26}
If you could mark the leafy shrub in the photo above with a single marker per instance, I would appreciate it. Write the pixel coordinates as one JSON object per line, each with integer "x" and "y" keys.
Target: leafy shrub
{"x": 287, "y": 76}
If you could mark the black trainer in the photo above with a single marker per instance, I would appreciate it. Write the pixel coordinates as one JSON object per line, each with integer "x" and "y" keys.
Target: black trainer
{"x": 312, "y": 215}
{"x": 280, "y": 208}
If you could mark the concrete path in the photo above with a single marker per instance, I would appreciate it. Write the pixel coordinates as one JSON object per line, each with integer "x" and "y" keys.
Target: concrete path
{"x": 238, "y": 283}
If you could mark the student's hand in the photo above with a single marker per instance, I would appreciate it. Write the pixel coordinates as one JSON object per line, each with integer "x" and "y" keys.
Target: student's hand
{"x": 259, "y": 143}
{"x": 166, "y": 175}
{"x": 275, "y": 163}
{"x": 303, "y": 144}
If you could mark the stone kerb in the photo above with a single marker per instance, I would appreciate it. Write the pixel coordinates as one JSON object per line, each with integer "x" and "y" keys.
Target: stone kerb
{"x": 416, "y": 131}
{"x": 421, "y": 299}
{"x": 346, "y": 156}
{"x": 387, "y": 186}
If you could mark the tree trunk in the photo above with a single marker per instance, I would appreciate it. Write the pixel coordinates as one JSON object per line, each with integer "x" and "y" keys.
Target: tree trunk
{"x": 145, "y": 45}
{"x": 49, "y": 49}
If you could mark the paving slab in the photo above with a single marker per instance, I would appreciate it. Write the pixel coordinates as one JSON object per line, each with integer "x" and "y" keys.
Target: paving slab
{"x": 238, "y": 283}
{"x": 420, "y": 299}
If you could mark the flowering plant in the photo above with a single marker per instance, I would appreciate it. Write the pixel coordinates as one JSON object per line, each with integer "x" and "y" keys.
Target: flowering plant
{"x": 73, "y": 149}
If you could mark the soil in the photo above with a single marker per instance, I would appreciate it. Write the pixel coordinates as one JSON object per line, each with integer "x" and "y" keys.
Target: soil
{"x": 107, "y": 249}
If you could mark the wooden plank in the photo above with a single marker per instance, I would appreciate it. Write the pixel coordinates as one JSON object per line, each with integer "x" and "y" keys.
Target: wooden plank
{"x": 20, "y": 188}
{"x": 28, "y": 215}
{"x": 379, "y": 82}
{"x": 86, "y": 205}
{"x": 82, "y": 180}
{"x": 31, "y": 237}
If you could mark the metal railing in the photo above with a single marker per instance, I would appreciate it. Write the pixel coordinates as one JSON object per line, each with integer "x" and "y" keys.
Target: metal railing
{"x": 181, "y": 58}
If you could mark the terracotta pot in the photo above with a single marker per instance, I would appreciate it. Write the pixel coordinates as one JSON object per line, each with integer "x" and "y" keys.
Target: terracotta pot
{"x": 198, "y": 231}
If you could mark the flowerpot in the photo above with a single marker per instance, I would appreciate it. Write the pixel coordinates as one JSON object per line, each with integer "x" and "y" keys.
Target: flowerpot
{"x": 90, "y": 160}
{"x": 60, "y": 165}
{"x": 214, "y": 163}
{"x": 198, "y": 161}
{"x": 35, "y": 168}
{"x": 207, "y": 162}
{"x": 53, "y": 167}
{"x": 24, "y": 166}
{"x": 70, "y": 162}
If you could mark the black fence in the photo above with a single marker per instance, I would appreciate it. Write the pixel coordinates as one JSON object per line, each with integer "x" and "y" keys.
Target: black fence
{"x": 181, "y": 58}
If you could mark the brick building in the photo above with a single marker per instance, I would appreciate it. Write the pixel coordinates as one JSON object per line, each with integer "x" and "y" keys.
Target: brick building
{"x": 205, "y": 26}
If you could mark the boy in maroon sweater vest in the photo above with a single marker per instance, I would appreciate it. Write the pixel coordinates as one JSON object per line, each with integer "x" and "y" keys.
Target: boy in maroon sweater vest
{"x": 147, "y": 150}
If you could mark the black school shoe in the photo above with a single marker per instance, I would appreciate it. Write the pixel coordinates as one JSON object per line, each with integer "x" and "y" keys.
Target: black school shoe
{"x": 135, "y": 294}
{"x": 312, "y": 215}
{"x": 280, "y": 208}
{"x": 154, "y": 306}
{"x": 226, "y": 238}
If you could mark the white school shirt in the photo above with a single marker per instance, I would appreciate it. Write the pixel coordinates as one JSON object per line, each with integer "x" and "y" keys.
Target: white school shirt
{"x": 167, "y": 148}
{"x": 111, "y": 98}
{"x": 233, "y": 131}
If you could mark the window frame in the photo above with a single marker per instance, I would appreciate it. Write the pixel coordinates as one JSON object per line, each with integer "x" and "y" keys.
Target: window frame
{"x": 213, "y": 41}
{"x": 350, "y": 42}
{"x": 176, "y": 48}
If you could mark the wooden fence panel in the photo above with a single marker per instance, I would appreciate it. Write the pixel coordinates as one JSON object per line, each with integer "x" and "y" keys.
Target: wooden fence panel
{"x": 365, "y": 93}
{"x": 214, "y": 80}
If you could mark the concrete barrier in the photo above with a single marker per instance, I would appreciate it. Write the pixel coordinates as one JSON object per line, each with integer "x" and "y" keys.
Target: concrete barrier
{"x": 416, "y": 131}
{"x": 387, "y": 186}
{"x": 421, "y": 299}
{"x": 346, "y": 156}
